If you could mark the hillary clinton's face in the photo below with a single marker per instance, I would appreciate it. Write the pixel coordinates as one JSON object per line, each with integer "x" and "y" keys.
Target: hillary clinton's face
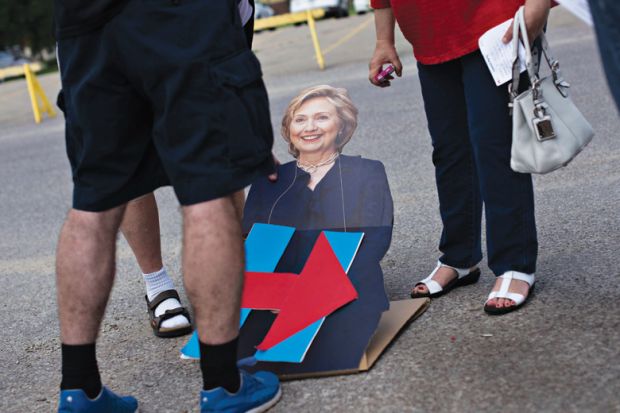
{"x": 314, "y": 130}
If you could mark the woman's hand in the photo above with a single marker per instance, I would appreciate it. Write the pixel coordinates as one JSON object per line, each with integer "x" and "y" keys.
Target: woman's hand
{"x": 384, "y": 53}
{"x": 274, "y": 176}
{"x": 535, "y": 14}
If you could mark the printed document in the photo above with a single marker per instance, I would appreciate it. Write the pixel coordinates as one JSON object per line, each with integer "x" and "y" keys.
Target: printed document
{"x": 498, "y": 55}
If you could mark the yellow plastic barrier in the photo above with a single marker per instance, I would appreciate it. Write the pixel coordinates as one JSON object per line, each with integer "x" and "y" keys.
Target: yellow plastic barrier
{"x": 286, "y": 19}
{"x": 315, "y": 41}
{"x": 15, "y": 71}
{"x": 37, "y": 94}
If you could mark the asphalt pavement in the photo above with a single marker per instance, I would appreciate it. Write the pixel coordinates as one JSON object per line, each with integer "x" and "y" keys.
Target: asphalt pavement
{"x": 560, "y": 353}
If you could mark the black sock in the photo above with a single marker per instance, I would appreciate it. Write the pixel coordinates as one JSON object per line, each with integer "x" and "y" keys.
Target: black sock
{"x": 79, "y": 369}
{"x": 219, "y": 366}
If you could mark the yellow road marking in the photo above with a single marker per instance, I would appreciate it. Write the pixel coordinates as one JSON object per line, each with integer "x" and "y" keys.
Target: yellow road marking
{"x": 349, "y": 35}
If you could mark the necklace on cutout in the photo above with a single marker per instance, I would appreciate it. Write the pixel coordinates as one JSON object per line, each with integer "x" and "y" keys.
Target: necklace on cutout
{"x": 312, "y": 168}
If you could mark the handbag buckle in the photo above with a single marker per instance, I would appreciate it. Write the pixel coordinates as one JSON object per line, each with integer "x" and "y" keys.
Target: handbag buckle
{"x": 542, "y": 124}
{"x": 543, "y": 128}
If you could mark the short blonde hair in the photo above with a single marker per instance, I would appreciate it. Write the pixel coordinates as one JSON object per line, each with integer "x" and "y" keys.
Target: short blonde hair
{"x": 347, "y": 113}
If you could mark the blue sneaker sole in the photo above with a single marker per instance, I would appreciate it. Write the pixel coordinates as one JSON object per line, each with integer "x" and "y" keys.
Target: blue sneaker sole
{"x": 267, "y": 405}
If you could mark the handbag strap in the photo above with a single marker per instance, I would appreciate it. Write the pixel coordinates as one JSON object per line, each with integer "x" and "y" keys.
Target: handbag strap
{"x": 519, "y": 32}
{"x": 517, "y": 35}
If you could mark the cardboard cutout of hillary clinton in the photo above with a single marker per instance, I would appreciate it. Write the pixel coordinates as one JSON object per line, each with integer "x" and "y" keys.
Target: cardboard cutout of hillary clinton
{"x": 323, "y": 189}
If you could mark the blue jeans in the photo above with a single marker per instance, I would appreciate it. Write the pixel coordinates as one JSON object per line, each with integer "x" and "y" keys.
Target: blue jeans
{"x": 606, "y": 16}
{"x": 471, "y": 130}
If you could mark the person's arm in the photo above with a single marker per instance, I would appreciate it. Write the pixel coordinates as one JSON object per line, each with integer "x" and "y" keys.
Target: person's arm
{"x": 385, "y": 50}
{"x": 535, "y": 14}
{"x": 274, "y": 175}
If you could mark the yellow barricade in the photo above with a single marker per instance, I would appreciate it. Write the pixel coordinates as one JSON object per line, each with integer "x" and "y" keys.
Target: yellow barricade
{"x": 37, "y": 96}
{"x": 15, "y": 71}
{"x": 315, "y": 40}
{"x": 286, "y": 19}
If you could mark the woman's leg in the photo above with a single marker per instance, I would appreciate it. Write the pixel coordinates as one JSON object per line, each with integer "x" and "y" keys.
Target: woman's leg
{"x": 606, "y": 14}
{"x": 455, "y": 171}
{"x": 507, "y": 195}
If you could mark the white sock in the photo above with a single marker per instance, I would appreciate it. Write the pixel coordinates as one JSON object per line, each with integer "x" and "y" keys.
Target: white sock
{"x": 157, "y": 282}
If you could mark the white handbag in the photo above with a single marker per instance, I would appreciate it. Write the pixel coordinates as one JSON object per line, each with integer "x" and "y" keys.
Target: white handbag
{"x": 548, "y": 130}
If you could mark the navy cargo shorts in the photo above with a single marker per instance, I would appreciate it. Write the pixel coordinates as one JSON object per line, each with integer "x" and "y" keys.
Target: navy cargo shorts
{"x": 167, "y": 92}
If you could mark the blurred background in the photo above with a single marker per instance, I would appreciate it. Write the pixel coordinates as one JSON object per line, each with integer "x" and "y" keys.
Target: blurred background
{"x": 26, "y": 28}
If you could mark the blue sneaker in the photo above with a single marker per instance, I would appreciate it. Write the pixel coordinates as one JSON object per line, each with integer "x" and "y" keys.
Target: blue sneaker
{"x": 74, "y": 401}
{"x": 257, "y": 393}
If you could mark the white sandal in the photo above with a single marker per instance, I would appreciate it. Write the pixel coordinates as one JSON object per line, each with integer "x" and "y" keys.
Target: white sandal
{"x": 519, "y": 299}
{"x": 465, "y": 277}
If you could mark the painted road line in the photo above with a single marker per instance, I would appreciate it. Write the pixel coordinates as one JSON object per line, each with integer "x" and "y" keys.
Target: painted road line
{"x": 349, "y": 35}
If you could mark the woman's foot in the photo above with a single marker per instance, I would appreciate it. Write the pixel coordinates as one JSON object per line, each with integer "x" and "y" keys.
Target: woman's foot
{"x": 443, "y": 276}
{"x": 511, "y": 290}
{"x": 443, "y": 279}
{"x": 516, "y": 286}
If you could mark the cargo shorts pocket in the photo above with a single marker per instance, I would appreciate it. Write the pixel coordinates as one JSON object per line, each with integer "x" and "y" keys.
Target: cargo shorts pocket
{"x": 245, "y": 106}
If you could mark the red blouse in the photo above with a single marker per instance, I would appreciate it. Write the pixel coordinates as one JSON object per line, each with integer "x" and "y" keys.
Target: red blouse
{"x": 445, "y": 30}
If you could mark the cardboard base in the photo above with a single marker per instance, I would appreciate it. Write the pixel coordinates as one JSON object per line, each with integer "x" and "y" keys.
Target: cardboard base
{"x": 392, "y": 322}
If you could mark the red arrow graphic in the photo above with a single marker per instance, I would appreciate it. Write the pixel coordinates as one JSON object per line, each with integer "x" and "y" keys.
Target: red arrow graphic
{"x": 320, "y": 289}
{"x": 266, "y": 290}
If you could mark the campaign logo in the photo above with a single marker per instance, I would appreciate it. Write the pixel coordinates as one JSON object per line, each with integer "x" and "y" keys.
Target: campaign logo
{"x": 302, "y": 301}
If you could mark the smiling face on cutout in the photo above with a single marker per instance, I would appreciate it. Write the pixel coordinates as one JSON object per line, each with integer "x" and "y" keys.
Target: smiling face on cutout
{"x": 314, "y": 130}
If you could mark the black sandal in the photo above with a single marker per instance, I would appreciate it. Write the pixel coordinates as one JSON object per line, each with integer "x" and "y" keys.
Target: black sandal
{"x": 168, "y": 314}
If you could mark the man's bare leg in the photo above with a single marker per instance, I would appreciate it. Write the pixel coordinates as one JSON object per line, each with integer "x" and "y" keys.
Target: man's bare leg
{"x": 85, "y": 265}
{"x": 213, "y": 267}
{"x": 239, "y": 202}
{"x": 140, "y": 226}
{"x": 213, "y": 272}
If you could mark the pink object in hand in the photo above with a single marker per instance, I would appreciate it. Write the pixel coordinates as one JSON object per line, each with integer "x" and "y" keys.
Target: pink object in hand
{"x": 381, "y": 76}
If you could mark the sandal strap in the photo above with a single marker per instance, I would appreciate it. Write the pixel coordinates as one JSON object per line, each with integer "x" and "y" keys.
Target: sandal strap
{"x": 168, "y": 314}
{"x": 516, "y": 275}
{"x": 516, "y": 297}
{"x": 507, "y": 278}
{"x": 433, "y": 286}
{"x": 461, "y": 272}
{"x": 161, "y": 297}
{"x": 430, "y": 276}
